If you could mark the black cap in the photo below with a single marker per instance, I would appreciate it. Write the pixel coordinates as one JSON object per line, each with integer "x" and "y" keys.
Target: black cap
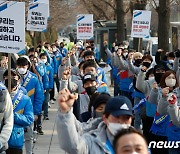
{"x": 88, "y": 77}
{"x": 102, "y": 98}
{"x": 119, "y": 105}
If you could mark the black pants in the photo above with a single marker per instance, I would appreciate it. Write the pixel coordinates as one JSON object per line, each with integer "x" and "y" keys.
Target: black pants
{"x": 38, "y": 123}
{"x": 14, "y": 151}
{"x": 147, "y": 123}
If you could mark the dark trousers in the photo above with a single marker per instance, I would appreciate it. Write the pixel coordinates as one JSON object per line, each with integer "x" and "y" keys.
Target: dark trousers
{"x": 38, "y": 123}
{"x": 14, "y": 151}
{"x": 116, "y": 89}
{"x": 147, "y": 123}
{"x": 45, "y": 103}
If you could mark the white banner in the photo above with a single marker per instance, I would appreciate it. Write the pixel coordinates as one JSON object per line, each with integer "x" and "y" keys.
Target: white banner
{"x": 12, "y": 26}
{"x": 45, "y": 2}
{"x": 37, "y": 17}
{"x": 84, "y": 26}
{"x": 141, "y": 24}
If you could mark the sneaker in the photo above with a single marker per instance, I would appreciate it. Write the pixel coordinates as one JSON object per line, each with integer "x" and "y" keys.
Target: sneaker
{"x": 39, "y": 131}
{"x": 51, "y": 101}
{"x": 49, "y": 105}
{"x": 46, "y": 118}
{"x": 34, "y": 140}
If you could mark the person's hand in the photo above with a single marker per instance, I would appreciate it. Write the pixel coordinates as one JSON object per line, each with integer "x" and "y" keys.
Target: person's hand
{"x": 165, "y": 92}
{"x": 63, "y": 61}
{"x": 144, "y": 68}
{"x": 155, "y": 85}
{"x": 65, "y": 100}
{"x": 160, "y": 50}
{"x": 35, "y": 117}
{"x": 105, "y": 43}
{"x": 172, "y": 99}
{"x": 66, "y": 74}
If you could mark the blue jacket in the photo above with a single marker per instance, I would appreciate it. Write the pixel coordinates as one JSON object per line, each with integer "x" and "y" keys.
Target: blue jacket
{"x": 160, "y": 124}
{"x": 102, "y": 87}
{"x": 173, "y": 132}
{"x": 101, "y": 75}
{"x": 59, "y": 57}
{"x": 115, "y": 75}
{"x": 54, "y": 64}
{"x": 50, "y": 76}
{"x": 63, "y": 51}
{"x": 34, "y": 90}
{"x": 23, "y": 116}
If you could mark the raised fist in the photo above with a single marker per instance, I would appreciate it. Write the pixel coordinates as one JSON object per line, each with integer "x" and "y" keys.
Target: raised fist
{"x": 66, "y": 74}
{"x": 165, "y": 91}
{"x": 172, "y": 99}
{"x": 155, "y": 85}
{"x": 65, "y": 100}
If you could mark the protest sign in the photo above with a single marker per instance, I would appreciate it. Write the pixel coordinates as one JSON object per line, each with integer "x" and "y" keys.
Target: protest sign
{"x": 12, "y": 26}
{"x": 37, "y": 17}
{"x": 45, "y": 2}
{"x": 141, "y": 24}
{"x": 84, "y": 26}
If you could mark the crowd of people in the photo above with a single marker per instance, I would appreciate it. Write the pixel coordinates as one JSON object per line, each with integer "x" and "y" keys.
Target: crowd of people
{"x": 143, "y": 109}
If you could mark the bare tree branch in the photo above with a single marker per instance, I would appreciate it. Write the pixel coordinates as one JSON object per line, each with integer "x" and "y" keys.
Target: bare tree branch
{"x": 113, "y": 7}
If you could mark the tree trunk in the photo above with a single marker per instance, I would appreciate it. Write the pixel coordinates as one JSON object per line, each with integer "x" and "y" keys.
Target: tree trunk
{"x": 120, "y": 21}
{"x": 163, "y": 25}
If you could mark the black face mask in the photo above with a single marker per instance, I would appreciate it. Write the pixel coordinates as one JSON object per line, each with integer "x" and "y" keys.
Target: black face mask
{"x": 138, "y": 62}
{"x": 13, "y": 83}
{"x": 147, "y": 64}
{"x": 158, "y": 77}
{"x": 91, "y": 90}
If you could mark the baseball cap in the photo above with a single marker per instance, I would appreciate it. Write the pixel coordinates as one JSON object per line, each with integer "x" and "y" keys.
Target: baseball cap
{"x": 103, "y": 98}
{"x": 88, "y": 77}
{"x": 119, "y": 105}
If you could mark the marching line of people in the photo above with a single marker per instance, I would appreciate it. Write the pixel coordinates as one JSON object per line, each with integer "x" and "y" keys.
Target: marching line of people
{"x": 144, "y": 108}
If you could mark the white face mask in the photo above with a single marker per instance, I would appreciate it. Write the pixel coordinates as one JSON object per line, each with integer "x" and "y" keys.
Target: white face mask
{"x": 44, "y": 61}
{"x": 171, "y": 61}
{"x": 125, "y": 54}
{"x": 22, "y": 71}
{"x": 54, "y": 49}
{"x": 151, "y": 78}
{"x": 115, "y": 127}
{"x": 170, "y": 82}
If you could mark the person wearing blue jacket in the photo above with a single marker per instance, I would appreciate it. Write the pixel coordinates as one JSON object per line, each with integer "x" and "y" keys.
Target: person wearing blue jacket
{"x": 39, "y": 69}
{"x": 23, "y": 115}
{"x": 31, "y": 83}
{"x": 49, "y": 72}
{"x": 58, "y": 57}
{"x": 51, "y": 59}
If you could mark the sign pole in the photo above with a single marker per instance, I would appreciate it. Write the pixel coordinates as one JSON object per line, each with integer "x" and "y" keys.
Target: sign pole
{"x": 9, "y": 72}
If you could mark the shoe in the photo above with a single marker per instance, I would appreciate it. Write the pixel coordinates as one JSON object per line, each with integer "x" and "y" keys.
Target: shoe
{"x": 51, "y": 101}
{"x": 46, "y": 118}
{"x": 34, "y": 140}
{"x": 39, "y": 131}
{"x": 49, "y": 105}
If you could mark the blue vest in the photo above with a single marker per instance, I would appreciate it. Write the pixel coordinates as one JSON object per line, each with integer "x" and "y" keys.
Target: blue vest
{"x": 173, "y": 132}
{"x": 160, "y": 124}
{"x": 138, "y": 94}
{"x": 150, "y": 109}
